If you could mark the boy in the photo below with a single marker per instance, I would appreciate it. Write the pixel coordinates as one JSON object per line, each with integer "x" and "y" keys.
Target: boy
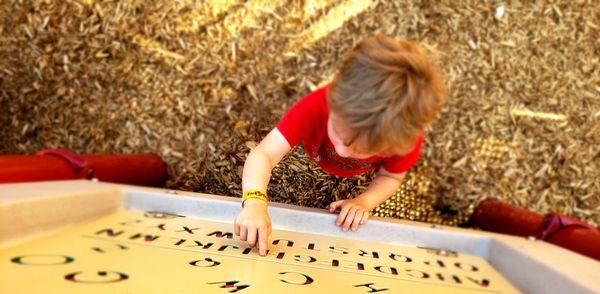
{"x": 372, "y": 116}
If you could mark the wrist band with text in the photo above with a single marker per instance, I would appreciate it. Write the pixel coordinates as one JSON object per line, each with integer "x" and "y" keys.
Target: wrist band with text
{"x": 258, "y": 194}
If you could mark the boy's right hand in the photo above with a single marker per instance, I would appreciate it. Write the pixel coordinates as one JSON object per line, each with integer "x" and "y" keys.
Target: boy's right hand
{"x": 253, "y": 224}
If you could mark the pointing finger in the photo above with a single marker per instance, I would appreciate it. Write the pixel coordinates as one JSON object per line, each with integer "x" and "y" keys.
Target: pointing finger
{"x": 251, "y": 236}
{"x": 236, "y": 229}
{"x": 243, "y": 233}
{"x": 262, "y": 241}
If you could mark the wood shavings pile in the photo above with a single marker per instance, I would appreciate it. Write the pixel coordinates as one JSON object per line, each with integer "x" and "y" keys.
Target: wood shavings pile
{"x": 201, "y": 82}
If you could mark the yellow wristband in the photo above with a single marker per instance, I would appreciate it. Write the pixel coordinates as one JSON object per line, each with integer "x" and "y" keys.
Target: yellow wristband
{"x": 258, "y": 194}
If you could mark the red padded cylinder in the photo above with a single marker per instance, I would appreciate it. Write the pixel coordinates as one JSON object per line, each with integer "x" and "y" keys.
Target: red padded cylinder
{"x": 582, "y": 240}
{"x": 496, "y": 216}
{"x": 493, "y": 215}
{"x": 134, "y": 169}
{"x": 20, "y": 168}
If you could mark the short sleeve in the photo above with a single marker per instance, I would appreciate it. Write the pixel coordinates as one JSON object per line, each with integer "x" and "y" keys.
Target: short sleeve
{"x": 402, "y": 163}
{"x": 304, "y": 118}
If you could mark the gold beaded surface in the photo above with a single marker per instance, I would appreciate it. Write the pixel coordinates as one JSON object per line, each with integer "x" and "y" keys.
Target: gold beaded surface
{"x": 410, "y": 202}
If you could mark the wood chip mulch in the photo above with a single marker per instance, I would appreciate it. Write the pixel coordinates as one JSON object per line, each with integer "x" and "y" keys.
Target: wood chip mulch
{"x": 201, "y": 82}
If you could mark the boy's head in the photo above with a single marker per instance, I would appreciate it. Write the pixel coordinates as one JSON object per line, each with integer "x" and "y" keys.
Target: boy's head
{"x": 384, "y": 95}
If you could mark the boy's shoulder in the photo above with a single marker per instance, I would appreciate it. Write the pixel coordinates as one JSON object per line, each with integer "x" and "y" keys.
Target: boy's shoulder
{"x": 306, "y": 119}
{"x": 318, "y": 96}
{"x": 315, "y": 101}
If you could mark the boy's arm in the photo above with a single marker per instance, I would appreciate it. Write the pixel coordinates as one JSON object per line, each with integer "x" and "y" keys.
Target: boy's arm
{"x": 253, "y": 224}
{"x": 355, "y": 212}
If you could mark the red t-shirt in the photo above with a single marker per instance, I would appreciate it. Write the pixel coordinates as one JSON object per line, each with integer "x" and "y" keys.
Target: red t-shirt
{"x": 306, "y": 123}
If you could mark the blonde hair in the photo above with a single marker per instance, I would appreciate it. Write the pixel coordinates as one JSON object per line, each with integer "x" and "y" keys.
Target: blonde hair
{"x": 387, "y": 92}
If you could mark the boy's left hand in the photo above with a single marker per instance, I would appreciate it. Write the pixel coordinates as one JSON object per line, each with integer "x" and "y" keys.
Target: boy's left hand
{"x": 352, "y": 213}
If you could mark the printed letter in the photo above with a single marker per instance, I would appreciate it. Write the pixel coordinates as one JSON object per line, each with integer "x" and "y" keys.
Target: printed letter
{"x": 305, "y": 279}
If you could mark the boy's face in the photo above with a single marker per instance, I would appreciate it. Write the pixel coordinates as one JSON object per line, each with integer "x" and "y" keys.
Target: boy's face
{"x": 341, "y": 136}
